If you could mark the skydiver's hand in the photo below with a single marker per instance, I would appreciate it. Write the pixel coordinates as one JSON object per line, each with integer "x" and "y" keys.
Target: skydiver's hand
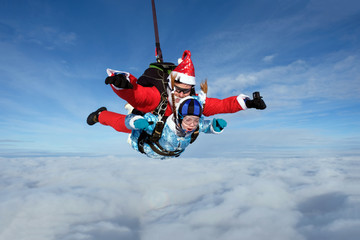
{"x": 218, "y": 124}
{"x": 141, "y": 123}
{"x": 257, "y": 102}
{"x": 119, "y": 81}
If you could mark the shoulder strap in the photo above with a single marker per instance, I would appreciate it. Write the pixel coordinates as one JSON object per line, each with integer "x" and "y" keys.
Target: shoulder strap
{"x": 160, "y": 109}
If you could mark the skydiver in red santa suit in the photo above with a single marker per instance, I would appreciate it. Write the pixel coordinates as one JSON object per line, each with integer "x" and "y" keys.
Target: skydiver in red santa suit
{"x": 146, "y": 98}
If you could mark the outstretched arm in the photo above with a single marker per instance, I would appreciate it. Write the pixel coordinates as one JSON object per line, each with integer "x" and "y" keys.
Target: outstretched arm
{"x": 233, "y": 104}
{"x": 144, "y": 99}
{"x": 228, "y": 105}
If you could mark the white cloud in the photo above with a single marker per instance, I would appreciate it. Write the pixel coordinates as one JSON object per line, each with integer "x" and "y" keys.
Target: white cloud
{"x": 127, "y": 198}
{"x": 269, "y": 59}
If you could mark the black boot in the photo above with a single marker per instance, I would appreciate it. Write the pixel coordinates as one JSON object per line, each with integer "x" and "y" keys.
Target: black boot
{"x": 93, "y": 117}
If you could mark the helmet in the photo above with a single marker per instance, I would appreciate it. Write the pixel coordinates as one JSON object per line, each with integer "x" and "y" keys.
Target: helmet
{"x": 189, "y": 106}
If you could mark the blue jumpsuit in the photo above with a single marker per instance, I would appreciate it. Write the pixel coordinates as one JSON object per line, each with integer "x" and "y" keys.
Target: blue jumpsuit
{"x": 172, "y": 139}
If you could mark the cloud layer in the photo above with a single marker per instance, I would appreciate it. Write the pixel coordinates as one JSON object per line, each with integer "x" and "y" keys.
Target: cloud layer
{"x": 113, "y": 198}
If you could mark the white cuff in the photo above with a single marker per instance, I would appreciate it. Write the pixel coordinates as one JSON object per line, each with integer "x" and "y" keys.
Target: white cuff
{"x": 202, "y": 97}
{"x": 213, "y": 130}
{"x": 132, "y": 120}
{"x": 111, "y": 72}
{"x": 241, "y": 100}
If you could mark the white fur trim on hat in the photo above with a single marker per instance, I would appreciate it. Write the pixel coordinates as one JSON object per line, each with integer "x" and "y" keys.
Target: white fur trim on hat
{"x": 184, "y": 78}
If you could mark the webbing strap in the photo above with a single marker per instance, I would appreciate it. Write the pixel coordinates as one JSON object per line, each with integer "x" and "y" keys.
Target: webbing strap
{"x": 160, "y": 112}
{"x": 161, "y": 151}
{"x": 155, "y": 146}
{"x": 194, "y": 135}
{"x": 158, "y": 52}
{"x": 156, "y": 134}
{"x": 161, "y": 108}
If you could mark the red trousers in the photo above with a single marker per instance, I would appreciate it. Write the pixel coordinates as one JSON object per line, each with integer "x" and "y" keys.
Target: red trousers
{"x": 114, "y": 120}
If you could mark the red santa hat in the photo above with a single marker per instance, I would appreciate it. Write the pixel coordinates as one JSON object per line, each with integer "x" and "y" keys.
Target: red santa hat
{"x": 185, "y": 72}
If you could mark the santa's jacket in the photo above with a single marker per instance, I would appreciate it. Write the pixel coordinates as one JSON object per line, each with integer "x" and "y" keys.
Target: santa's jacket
{"x": 146, "y": 99}
{"x": 172, "y": 138}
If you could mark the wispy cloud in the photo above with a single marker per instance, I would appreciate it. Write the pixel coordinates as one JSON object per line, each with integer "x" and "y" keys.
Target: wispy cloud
{"x": 50, "y": 37}
{"x": 337, "y": 77}
{"x": 269, "y": 58}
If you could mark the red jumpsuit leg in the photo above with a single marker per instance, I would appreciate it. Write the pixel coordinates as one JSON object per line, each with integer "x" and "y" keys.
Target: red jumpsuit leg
{"x": 114, "y": 120}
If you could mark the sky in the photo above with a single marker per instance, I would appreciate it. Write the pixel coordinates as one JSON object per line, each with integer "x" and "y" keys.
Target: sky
{"x": 302, "y": 56}
{"x": 292, "y": 166}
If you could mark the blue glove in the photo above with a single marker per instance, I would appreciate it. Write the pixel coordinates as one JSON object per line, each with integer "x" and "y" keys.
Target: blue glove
{"x": 141, "y": 123}
{"x": 218, "y": 124}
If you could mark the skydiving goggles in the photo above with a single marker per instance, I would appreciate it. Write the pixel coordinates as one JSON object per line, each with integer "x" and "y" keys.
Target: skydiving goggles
{"x": 182, "y": 90}
{"x": 193, "y": 120}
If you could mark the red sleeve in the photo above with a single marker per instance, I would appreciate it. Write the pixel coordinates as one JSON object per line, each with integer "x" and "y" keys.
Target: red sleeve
{"x": 216, "y": 106}
{"x": 144, "y": 99}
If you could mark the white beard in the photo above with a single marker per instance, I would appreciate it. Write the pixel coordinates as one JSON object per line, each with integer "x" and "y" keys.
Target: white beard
{"x": 170, "y": 99}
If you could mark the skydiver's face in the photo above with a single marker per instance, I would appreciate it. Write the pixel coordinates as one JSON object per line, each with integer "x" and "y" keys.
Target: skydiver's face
{"x": 190, "y": 123}
{"x": 181, "y": 90}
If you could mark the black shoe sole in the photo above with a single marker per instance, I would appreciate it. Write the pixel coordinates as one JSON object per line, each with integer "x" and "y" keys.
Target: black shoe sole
{"x": 94, "y": 115}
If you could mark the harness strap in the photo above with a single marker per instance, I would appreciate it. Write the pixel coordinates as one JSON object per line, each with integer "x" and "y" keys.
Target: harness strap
{"x": 141, "y": 141}
{"x": 160, "y": 111}
{"x": 161, "y": 151}
{"x": 155, "y": 146}
{"x": 156, "y": 135}
{"x": 161, "y": 108}
{"x": 194, "y": 135}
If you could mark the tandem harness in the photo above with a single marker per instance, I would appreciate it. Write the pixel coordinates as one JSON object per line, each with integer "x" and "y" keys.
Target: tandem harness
{"x": 157, "y": 148}
{"x": 157, "y": 75}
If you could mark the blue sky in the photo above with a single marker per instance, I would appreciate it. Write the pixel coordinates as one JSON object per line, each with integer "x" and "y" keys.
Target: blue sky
{"x": 303, "y": 56}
